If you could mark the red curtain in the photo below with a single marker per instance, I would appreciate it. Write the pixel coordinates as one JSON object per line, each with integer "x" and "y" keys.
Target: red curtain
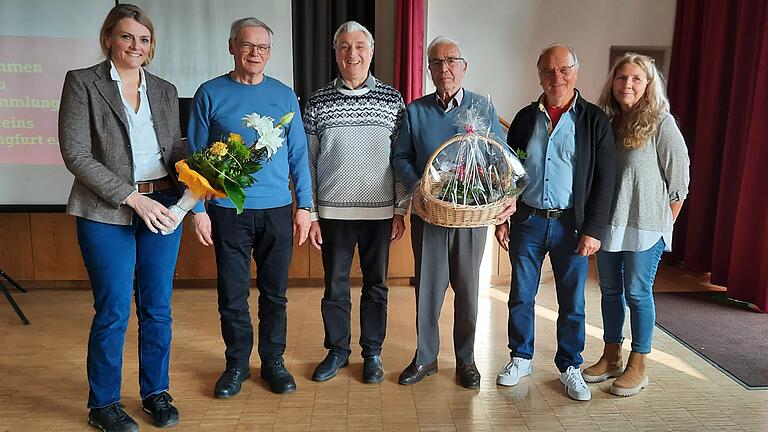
{"x": 718, "y": 89}
{"x": 409, "y": 48}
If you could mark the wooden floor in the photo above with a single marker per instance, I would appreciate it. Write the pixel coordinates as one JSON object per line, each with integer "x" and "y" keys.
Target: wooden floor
{"x": 43, "y": 385}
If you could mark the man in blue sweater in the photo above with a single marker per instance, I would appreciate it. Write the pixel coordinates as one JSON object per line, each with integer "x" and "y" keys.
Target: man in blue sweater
{"x": 441, "y": 255}
{"x": 264, "y": 229}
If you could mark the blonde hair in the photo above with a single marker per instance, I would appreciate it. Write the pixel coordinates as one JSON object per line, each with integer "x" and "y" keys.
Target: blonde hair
{"x": 114, "y": 16}
{"x": 644, "y": 118}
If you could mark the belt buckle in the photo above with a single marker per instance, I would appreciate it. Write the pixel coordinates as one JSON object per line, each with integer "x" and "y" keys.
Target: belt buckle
{"x": 553, "y": 213}
{"x": 149, "y": 187}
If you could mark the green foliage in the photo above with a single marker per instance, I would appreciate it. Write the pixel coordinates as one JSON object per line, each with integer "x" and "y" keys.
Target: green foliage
{"x": 228, "y": 166}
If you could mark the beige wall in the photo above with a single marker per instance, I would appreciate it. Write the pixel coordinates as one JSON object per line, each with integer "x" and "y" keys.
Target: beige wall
{"x": 502, "y": 39}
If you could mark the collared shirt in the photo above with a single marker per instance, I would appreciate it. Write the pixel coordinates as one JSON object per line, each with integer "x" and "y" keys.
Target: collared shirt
{"x": 551, "y": 160}
{"x": 147, "y": 159}
{"x": 454, "y": 102}
{"x": 369, "y": 83}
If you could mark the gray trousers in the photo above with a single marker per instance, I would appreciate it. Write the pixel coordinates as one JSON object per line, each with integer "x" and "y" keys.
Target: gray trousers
{"x": 442, "y": 256}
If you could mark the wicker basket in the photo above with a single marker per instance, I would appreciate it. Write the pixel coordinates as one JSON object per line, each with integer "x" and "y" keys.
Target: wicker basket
{"x": 452, "y": 215}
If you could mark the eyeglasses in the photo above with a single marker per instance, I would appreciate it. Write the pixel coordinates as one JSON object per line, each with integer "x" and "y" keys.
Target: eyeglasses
{"x": 564, "y": 71}
{"x": 450, "y": 62}
{"x": 247, "y": 47}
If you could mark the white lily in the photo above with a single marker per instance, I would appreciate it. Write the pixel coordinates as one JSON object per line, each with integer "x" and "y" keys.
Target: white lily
{"x": 271, "y": 140}
{"x": 258, "y": 122}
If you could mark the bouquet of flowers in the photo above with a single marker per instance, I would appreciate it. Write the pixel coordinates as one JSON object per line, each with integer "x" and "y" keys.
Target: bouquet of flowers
{"x": 471, "y": 177}
{"x": 224, "y": 168}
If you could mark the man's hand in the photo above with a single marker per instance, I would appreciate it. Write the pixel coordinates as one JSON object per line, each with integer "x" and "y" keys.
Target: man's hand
{"x": 508, "y": 211}
{"x": 155, "y": 215}
{"x": 502, "y": 236}
{"x": 587, "y": 245}
{"x": 398, "y": 228}
{"x": 203, "y": 228}
{"x": 315, "y": 236}
{"x": 301, "y": 224}
{"x": 417, "y": 203}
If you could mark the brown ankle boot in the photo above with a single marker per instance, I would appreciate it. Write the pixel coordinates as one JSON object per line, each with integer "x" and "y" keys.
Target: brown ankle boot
{"x": 610, "y": 365}
{"x": 634, "y": 377}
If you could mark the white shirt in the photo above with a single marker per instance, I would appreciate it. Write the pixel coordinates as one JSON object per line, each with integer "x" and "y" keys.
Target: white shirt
{"x": 147, "y": 159}
{"x": 454, "y": 102}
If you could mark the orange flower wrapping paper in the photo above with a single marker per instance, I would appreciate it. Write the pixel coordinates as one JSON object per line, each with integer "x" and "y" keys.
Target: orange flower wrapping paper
{"x": 196, "y": 183}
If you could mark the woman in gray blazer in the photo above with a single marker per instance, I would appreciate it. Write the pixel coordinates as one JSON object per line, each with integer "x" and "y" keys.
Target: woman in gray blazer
{"x": 120, "y": 136}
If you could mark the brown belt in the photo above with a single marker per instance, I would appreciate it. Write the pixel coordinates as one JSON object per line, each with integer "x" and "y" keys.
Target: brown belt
{"x": 150, "y": 186}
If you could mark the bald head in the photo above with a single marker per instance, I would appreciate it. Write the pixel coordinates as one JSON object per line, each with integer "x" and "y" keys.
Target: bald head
{"x": 557, "y": 49}
{"x": 558, "y": 69}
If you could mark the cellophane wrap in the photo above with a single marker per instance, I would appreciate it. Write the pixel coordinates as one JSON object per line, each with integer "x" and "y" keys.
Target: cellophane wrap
{"x": 472, "y": 170}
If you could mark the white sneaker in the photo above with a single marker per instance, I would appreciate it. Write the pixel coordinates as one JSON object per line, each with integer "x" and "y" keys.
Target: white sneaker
{"x": 517, "y": 368}
{"x": 574, "y": 383}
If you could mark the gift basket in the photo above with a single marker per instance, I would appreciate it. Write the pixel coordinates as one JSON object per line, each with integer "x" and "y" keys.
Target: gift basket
{"x": 471, "y": 177}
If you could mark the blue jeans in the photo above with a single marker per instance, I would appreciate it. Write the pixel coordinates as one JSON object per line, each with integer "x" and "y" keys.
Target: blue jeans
{"x": 529, "y": 242}
{"x": 113, "y": 254}
{"x": 626, "y": 278}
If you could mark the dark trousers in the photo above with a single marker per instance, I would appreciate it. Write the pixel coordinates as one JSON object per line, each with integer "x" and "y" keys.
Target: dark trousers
{"x": 267, "y": 235}
{"x": 372, "y": 238}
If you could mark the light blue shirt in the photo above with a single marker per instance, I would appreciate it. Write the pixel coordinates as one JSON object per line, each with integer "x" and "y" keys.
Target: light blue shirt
{"x": 551, "y": 160}
{"x": 147, "y": 159}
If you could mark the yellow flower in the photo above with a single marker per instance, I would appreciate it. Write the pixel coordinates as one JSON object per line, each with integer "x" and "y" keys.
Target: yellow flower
{"x": 219, "y": 149}
{"x": 235, "y": 137}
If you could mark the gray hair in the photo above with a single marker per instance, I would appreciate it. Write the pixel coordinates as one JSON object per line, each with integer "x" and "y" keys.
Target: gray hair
{"x": 440, "y": 40}
{"x": 547, "y": 50}
{"x": 352, "y": 26}
{"x": 248, "y": 22}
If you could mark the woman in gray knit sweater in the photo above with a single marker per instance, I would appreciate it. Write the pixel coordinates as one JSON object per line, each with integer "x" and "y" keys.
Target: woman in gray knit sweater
{"x": 651, "y": 184}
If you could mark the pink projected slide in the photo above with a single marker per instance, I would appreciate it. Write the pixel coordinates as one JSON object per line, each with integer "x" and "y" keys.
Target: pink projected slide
{"x": 32, "y": 71}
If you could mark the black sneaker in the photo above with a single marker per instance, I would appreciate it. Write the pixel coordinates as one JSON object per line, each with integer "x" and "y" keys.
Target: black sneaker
{"x": 277, "y": 377}
{"x": 159, "y": 407}
{"x": 112, "y": 418}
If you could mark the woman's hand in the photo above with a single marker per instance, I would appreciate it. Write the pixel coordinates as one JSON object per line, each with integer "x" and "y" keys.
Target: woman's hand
{"x": 155, "y": 215}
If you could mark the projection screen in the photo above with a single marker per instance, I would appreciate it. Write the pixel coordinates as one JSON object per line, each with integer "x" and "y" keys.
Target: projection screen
{"x": 41, "y": 40}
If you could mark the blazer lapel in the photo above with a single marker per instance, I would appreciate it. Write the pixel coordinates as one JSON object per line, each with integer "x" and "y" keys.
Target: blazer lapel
{"x": 108, "y": 90}
{"x": 158, "y": 103}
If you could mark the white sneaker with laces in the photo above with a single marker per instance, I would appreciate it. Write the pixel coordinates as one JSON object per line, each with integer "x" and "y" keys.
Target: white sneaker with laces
{"x": 574, "y": 383}
{"x": 517, "y": 368}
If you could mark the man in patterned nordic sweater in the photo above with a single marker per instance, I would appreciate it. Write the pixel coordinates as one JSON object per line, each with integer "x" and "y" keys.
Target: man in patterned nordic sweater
{"x": 351, "y": 124}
